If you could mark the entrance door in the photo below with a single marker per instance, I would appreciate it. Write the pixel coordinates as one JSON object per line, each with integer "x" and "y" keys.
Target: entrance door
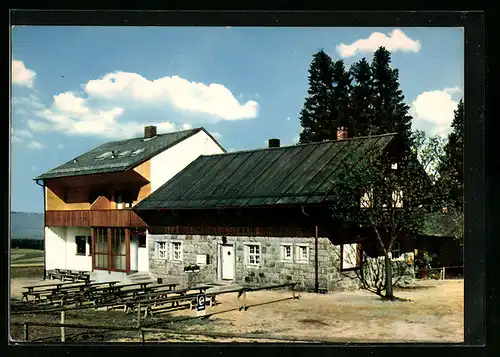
{"x": 111, "y": 249}
{"x": 227, "y": 262}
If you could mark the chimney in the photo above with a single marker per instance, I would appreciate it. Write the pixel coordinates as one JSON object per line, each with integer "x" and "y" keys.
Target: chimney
{"x": 274, "y": 143}
{"x": 341, "y": 133}
{"x": 149, "y": 132}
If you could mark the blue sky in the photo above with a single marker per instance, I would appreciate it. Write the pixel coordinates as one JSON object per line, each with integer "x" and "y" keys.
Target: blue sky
{"x": 74, "y": 88}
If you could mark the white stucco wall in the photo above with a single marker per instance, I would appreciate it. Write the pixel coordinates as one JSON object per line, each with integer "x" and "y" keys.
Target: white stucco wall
{"x": 167, "y": 164}
{"x": 143, "y": 257}
{"x": 55, "y": 248}
{"x": 134, "y": 244}
{"x": 74, "y": 261}
{"x": 60, "y": 249}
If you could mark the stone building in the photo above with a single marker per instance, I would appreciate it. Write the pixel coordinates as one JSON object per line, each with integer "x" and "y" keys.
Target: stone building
{"x": 261, "y": 216}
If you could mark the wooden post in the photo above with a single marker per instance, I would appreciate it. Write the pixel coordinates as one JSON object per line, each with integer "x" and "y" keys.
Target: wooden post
{"x": 444, "y": 273}
{"x": 244, "y": 300}
{"x": 316, "y": 263}
{"x": 139, "y": 315}
{"x": 26, "y": 332}
{"x": 127, "y": 250}
{"x": 142, "y": 336}
{"x": 92, "y": 246}
{"x": 63, "y": 337}
{"x": 109, "y": 250}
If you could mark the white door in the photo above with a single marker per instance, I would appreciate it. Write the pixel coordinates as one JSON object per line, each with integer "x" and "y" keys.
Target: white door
{"x": 227, "y": 262}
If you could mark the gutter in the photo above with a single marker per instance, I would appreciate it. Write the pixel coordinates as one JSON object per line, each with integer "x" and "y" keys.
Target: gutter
{"x": 44, "y": 241}
{"x": 316, "y": 246}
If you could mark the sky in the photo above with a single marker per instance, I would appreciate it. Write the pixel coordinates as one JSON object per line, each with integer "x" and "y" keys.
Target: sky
{"x": 75, "y": 88}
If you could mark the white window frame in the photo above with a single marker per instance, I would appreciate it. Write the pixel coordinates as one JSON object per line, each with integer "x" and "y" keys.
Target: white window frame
{"x": 366, "y": 199}
{"x": 396, "y": 247}
{"x": 397, "y": 198}
{"x": 173, "y": 251}
{"x": 298, "y": 253}
{"x": 160, "y": 250}
{"x": 283, "y": 248}
{"x": 248, "y": 254}
{"x": 348, "y": 264}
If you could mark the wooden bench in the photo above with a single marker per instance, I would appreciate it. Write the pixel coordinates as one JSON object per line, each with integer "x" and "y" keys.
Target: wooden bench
{"x": 63, "y": 274}
{"x": 161, "y": 297}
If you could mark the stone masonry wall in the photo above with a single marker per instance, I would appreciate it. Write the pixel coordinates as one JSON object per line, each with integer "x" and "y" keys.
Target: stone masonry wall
{"x": 272, "y": 269}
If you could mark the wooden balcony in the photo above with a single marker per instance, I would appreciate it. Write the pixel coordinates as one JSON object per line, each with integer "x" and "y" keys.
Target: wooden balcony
{"x": 94, "y": 218}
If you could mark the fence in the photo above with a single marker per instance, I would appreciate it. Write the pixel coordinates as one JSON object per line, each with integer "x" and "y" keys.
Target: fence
{"x": 442, "y": 270}
{"x": 147, "y": 329}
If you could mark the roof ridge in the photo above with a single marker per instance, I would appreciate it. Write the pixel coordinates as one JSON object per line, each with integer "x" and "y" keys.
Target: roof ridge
{"x": 304, "y": 144}
{"x": 142, "y": 137}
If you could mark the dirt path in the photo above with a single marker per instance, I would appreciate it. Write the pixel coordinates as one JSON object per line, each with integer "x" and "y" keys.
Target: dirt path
{"x": 435, "y": 313}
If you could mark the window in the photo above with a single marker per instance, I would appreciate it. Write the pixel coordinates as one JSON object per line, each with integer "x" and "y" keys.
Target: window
{"x": 137, "y": 152}
{"x": 104, "y": 156}
{"x": 161, "y": 248}
{"x": 350, "y": 256}
{"x": 394, "y": 166}
{"x": 142, "y": 241}
{"x": 396, "y": 251}
{"x": 81, "y": 245}
{"x": 286, "y": 252}
{"x": 366, "y": 199}
{"x": 89, "y": 242}
{"x": 302, "y": 253}
{"x": 397, "y": 198}
{"x": 177, "y": 251}
{"x": 123, "y": 199}
{"x": 253, "y": 254}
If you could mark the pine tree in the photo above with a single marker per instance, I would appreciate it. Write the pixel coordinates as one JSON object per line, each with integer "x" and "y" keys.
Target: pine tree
{"x": 362, "y": 97}
{"x": 390, "y": 112}
{"x": 340, "y": 101}
{"x": 315, "y": 116}
{"x": 451, "y": 168}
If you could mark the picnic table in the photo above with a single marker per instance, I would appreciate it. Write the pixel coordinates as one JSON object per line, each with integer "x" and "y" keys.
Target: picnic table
{"x": 55, "y": 290}
{"x": 64, "y": 274}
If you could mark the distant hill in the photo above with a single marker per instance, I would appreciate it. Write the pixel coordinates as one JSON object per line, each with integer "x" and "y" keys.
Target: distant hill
{"x": 26, "y": 225}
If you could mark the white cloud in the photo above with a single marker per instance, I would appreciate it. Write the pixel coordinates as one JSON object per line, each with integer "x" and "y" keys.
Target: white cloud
{"x": 216, "y": 135}
{"x": 433, "y": 111}
{"x": 21, "y": 75}
{"x": 60, "y": 146}
{"x": 16, "y": 139}
{"x": 452, "y": 90}
{"x": 23, "y": 133}
{"x": 288, "y": 118}
{"x": 213, "y": 99}
{"x": 396, "y": 41}
{"x": 101, "y": 108}
{"x": 20, "y": 135}
{"x": 35, "y": 145}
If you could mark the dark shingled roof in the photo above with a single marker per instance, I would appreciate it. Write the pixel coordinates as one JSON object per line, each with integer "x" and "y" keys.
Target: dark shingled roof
{"x": 292, "y": 175}
{"x": 135, "y": 151}
{"x": 438, "y": 224}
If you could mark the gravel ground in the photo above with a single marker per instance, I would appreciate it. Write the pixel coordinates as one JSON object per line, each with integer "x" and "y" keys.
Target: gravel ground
{"x": 433, "y": 314}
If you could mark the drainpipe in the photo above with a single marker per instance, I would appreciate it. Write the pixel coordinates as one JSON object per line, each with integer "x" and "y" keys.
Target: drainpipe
{"x": 44, "y": 248}
{"x": 316, "y": 265}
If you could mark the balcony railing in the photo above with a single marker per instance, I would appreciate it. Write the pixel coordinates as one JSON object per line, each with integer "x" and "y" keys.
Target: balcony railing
{"x": 94, "y": 218}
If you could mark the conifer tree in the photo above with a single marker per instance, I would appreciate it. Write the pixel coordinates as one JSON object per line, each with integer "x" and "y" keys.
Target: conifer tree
{"x": 362, "y": 97}
{"x": 390, "y": 111}
{"x": 340, "y": 101}
{"x": 451, "y": 168}
{"x": 316, "y": 116}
